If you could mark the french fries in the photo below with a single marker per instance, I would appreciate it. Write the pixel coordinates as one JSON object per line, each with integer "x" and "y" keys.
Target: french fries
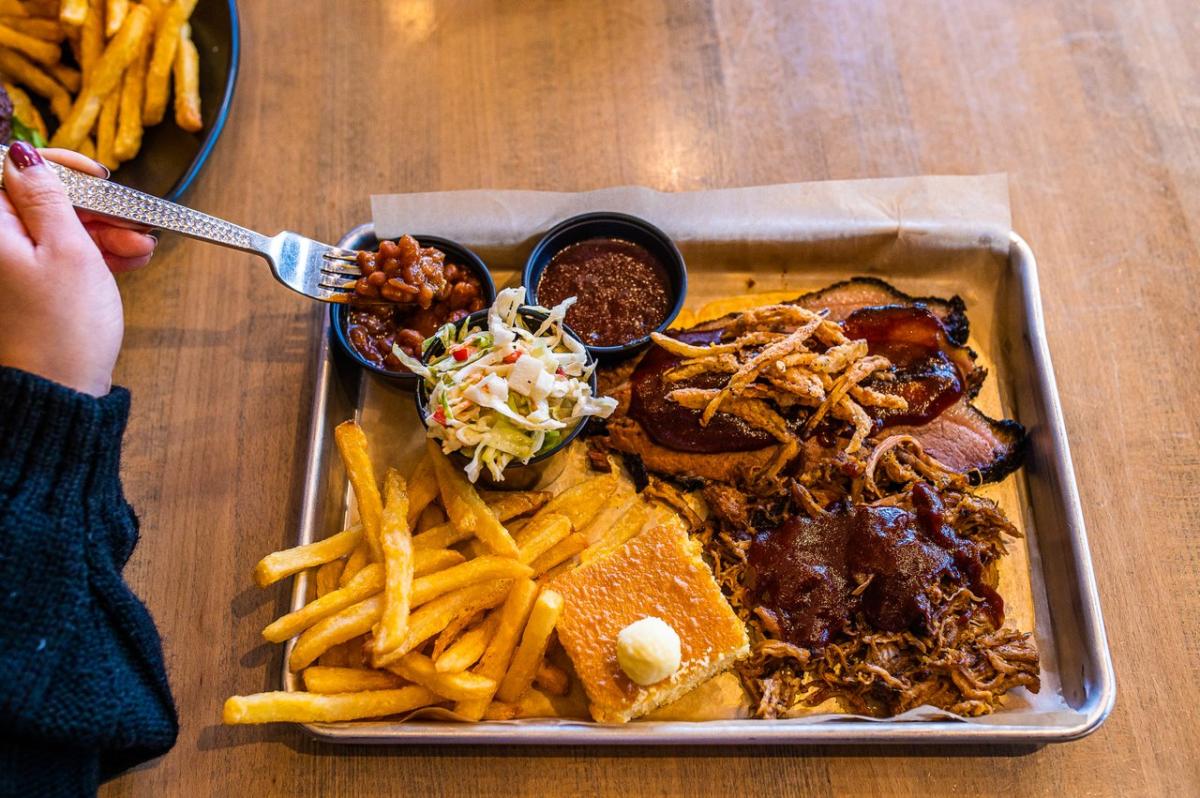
{"x": 541, "y": 534}
{"x": 532, "y": 704}
{"x": 494, "y": 663}
{"x": 41, "y": 8}
{"x": 430, "y": 517}
{"x": 464, "y": 506}
{"x": 510, "y": 504}
{"x": 497, "y": 710}
{"x": 358, "y": 559}
{"x": 515, "y": 526}
{"x": 628, "y": 525}
{"x": 336, "y": 657}
{"x": 441, "y": 536}
{"x": 562, "y": 551}
{"x": 418, "y": 668}
{"x": 453, "y": 631}
{"x": 324, "y": 679}
{"x": 356, "y": 652}
{"x": 114, "y": 16}
{"x": 422, "y": 489}
{"x": 505, "y": 508}
{"x": 327, "y": 577}
{"x": 48, "y": 30}
{"x": 106, "y": 131}
{"x": 468, "y": 648}
{"x": 70, "y": 78}
{"x": 133, "y": 91}
{"x": 280, "y": 564}
{"x": 73, "y": 12}
{"x": 487, "y": 568}
{"x": 364, "y": 644}
{"x": 166, "y": 42}
{"x": 474, "y": 548}
{"x": 366, "y": 583}
{"x": 278, "y": 707}
{"x": 99, "y": 105}
{"x": 536, "y": 704}
{"x": 346, "y": 624}
{"x": 91, "y": 37}
{"x": 428, "y": 561}
{"x": 352, "y": 444}
{"x": 534, "y": 639}
{"x": 103, "y": 79}
{"x": 552, "y": 679}
{"x": 581, "y": 503}
{"x": 396, "y": 543}
{"x": 39, "y": 50}
{"x": 187, "y": 83}
{"x": 21, "y": 70}
{"x": 435, "y": 616}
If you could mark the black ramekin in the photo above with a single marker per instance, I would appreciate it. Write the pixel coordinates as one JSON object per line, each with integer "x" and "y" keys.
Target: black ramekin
{"x": 607, "y": 224}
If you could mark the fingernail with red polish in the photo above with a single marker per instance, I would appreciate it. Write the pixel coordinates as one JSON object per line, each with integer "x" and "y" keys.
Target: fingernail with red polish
{"x": 24, "y": 156}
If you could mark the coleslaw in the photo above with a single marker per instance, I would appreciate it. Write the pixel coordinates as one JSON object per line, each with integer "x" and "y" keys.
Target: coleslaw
{"x": 507, "y": 392}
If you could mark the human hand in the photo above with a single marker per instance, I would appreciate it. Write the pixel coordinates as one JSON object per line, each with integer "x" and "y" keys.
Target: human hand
{"x": 60, "y": 311}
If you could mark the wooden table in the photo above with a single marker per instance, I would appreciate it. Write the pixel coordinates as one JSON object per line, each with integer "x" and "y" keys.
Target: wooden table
{"x": 1092, "y": 108}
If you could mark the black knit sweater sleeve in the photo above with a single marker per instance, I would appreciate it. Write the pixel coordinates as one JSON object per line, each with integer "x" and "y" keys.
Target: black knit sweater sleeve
{"x": 83, "y": 690}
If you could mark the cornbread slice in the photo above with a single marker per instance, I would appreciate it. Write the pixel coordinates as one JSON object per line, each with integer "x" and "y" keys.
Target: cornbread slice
{"x": 658, "y": 573}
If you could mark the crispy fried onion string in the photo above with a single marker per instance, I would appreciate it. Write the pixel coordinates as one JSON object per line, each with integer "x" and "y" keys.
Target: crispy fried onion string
{"x": 790, "y": 357}
{"x": 755, "y": 412}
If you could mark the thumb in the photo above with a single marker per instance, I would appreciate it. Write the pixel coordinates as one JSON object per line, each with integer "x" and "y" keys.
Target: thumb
{"x": 38, "y": 196}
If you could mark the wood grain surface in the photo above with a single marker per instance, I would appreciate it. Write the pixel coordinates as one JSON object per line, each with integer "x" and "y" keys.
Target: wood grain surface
{"x": 1093, "y": 108}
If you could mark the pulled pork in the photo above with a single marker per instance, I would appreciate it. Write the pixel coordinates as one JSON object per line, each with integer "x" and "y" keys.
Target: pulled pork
{"x": 959, "y": 660}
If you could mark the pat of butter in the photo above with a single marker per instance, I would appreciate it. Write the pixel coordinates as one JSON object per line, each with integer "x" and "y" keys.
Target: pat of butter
{"x": 648, "y": 651}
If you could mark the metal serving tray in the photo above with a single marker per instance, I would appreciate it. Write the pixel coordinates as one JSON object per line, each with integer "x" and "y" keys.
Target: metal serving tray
{"x": 1061, "y": 567}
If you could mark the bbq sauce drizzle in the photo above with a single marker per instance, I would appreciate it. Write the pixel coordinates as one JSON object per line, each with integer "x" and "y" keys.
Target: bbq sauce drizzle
{"x": 927, "y": 369}
{"x": 807, "y": 575}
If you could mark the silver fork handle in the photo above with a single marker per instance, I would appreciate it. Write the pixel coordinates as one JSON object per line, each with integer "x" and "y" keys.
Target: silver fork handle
{"x": 121, "y": 202}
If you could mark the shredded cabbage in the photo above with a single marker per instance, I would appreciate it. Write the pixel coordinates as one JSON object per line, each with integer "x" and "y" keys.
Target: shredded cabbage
{"x": 507, "y": 393}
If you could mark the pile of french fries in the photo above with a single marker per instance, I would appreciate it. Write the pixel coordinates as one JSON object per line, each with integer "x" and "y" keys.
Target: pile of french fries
{"x": 437, "y": 597}
{"x": 128, "y": 53}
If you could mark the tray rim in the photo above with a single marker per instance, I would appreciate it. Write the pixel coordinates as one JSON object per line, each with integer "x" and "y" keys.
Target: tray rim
{"x": 1091, "y": 714}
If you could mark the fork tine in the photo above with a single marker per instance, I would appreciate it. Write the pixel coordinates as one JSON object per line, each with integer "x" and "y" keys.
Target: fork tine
{"x": 313, "y": 268}
{"x": 348, "y": 271}
{"x": 345, "y": 287}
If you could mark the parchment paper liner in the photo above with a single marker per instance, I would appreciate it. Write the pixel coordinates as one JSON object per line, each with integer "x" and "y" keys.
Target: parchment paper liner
{"x": 930, "y": 235}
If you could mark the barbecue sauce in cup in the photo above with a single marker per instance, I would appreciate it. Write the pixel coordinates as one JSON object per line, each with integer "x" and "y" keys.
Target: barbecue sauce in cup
{"x": 622, "y": 290}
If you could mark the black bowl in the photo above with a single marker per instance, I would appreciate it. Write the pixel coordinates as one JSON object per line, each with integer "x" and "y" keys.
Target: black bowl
{"x": 518, "y": 475}
{"x": 364, "y": 238}
{"x": 607, "y": 224}
{"x": 171, "y": 158}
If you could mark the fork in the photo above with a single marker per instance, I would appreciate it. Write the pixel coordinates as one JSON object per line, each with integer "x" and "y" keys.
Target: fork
{"x": 303, "y": 265}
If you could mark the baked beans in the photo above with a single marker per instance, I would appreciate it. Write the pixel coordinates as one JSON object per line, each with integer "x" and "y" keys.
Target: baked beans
{"x": 405, "y": 294}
